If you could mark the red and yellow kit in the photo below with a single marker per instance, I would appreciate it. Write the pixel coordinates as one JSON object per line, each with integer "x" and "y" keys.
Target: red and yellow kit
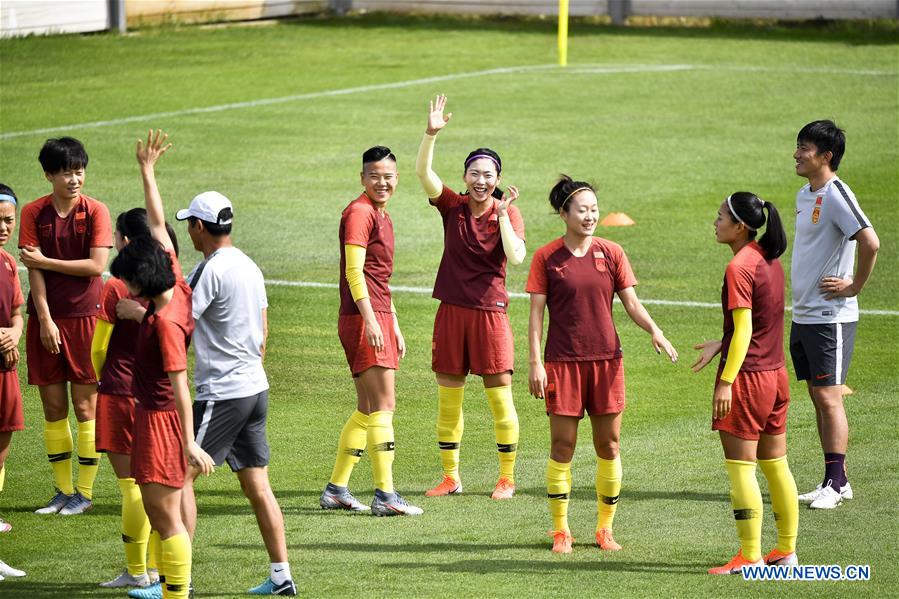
{"x": 11, "y": 416}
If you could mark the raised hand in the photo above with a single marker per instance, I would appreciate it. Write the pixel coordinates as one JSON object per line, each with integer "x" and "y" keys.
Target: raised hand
{"x": 510, "y": 196}
{"x": 436, "y": 119}
{"x": 155, "y": 147}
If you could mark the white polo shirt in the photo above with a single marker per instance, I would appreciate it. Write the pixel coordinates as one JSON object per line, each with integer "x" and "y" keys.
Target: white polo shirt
{"x": 825, "y": 221}
{"x": 228, "y": 300}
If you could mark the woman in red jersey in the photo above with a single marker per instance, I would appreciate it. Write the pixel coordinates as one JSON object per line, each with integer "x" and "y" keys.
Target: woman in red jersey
{"x": 370, "y": 334}
{"x": 11, "y": 322}
{"x": 752, "y": 391}
{"x": 163, "y": 421}
{"x": 112, "y": 355}
{"x": 576, "y": 277}
{"x": 482, "y": 231}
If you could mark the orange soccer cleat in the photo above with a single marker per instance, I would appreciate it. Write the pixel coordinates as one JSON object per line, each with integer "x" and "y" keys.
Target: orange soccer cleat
{"x": 605, "y": 541}
{"x": 562, "y": 541}
{"x": 735, "y": 565}
{"x": 778, "y": 558}
{"x": 505, "y": 489}
{"x": 448, "y": 486}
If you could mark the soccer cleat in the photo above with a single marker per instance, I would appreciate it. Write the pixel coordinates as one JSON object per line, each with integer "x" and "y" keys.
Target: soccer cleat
{"x": 9, "y": 571}
{"x": 605, "y": 541}
{"x": 153, "y": 591}
{"x": 562, "y": 541}
{"x": 735, "y": 566}
{"x": 127, "y": 580}
{"x": 845, "y": 493}
{"x": 505, "y": 489}
{"x": 153, "y": 575}
{"x": 5, "y": 526}
{"x": 392, "y": 504}
{"x": 78, "y": 504}
{"x": 58, "y": 502}
{"x": 776, "y": 558}
{"x": 340, "y": 498}
{"x": 827, "y": 499}
{"x": 286, "y": 588}
{"x": 448, "y": 486}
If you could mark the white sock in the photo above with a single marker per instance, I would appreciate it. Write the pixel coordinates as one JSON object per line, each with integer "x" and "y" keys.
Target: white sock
{"x": 279, "y": 572}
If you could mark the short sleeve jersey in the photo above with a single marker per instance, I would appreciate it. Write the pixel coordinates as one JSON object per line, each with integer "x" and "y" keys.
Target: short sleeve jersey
{"x": 10, "y": 294}
{"x": 161, "y": 348}
{"x": 825, "y": 221}
{"x": 227, "y": 303}
{"x": 472, "y": 271}
{"x": 117, "y": 370}
{"x": 753, "y": 282}
{"x": 363, "y": 224}
{"x": 579, "y": 291}
{"x": 71, "y": 237}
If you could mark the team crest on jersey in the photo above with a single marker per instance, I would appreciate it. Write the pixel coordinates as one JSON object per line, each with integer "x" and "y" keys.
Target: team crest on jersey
{"x": 599, "y": 261}
{"x": 816, "y": 213}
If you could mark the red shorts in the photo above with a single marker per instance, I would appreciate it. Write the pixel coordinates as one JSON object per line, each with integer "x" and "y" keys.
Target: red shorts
{"x": 72, "y": 363}
{"x": 359, "y": 354}
{"x": 758, "y": 404}
{"x": 11, "y": 417}
{"x": 157, "y": 451}
{"x": 468, "y": 340}
{"x": 595, "y": 386}
{"x": 115, "y": 422}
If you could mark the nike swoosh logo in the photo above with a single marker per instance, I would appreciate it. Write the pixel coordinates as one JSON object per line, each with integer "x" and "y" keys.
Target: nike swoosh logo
{"x": 280, "y": 570}
{"x": 822, "y": 376}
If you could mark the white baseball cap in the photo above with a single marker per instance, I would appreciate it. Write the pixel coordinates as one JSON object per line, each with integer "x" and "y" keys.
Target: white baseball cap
{"x": 207, "y": 207}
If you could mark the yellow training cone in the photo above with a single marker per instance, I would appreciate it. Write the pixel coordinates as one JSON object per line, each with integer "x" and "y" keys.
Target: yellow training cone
{"x": 617, "y": 219}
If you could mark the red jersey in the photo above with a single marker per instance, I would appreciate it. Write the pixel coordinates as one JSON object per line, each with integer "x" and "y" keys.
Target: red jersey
{"x": 579, "y": 293}
{"x": 161, "y": 348}
{"x": 361, "y": 223}
{"x": 117, "y": 370}
{"x": 71, "y": 237}
{"x": 472, "y": 271}
{"x": 10, "y": 294}
{"x": 753, "y": 282}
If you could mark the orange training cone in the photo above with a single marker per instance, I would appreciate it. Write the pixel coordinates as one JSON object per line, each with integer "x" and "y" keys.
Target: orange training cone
{"x": 617, "y": 219}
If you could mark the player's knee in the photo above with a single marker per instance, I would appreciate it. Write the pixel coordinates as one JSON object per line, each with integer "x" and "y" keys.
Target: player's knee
{"x": 562, "y": 450}
{"x": 607, "y": 449}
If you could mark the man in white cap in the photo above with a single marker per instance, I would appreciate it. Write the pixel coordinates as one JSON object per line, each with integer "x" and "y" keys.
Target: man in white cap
{"x": 229, "y": 307}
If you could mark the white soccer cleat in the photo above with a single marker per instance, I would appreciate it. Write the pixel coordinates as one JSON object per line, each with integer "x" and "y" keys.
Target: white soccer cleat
{"x": 811, "y": 495}
{"x": 9, "y": 571}
{"x": 827, "y": 499}
{"x": 846, "y": 492}
{"x": 127, "y": 580}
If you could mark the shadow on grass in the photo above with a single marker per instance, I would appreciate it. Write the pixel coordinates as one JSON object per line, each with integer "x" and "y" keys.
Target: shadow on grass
{"x": 555, "y": 565}
{"x": 24, "y": 588}
{"x": 440, "y": 548}
{"x": 109, "y": 507}
{"x": 861, "y": 33}
{"x": 589, "y": 494}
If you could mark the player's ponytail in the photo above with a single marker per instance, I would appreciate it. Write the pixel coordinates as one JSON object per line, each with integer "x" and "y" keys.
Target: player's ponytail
{"x": 566, "y": 188}
{"x": 748, "y": 209}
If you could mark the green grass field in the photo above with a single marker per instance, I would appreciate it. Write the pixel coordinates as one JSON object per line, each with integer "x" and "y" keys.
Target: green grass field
{"x": 667, "y": 122}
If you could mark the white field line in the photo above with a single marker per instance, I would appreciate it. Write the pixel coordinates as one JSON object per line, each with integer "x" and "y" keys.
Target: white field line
{"x": 573, "y": 69}
{"x": 651, "y": 302}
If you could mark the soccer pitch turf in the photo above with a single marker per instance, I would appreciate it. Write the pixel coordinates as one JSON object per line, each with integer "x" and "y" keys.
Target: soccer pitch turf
{"x": 667, "y": 122}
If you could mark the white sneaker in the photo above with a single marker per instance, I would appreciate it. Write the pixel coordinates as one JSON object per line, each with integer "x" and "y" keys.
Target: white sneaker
{"x": 827, "y": 499}
{"x": 6, "y": 570}
{"x": 845, "y": 493}
{"x": 126, "y": 580}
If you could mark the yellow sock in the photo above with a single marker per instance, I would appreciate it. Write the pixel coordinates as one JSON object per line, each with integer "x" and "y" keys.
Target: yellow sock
{"x": 505, "y": 427}
{"x": 784, "y": 501}
{"x": 608, "y": 487}
{"x": 349, "y": 448}
{"x": 88, "y": 458}
{"x": 154, "y": 552}
{"x": 2, "y": 476}
{"x": 135, "y": 527}
{"x": 746, "y": 499}
{"x": 58, "y": 441}
{"x": 176, "y": 557}
{"x": 558, "y": 489}
{"x": 380, "y": 440}
{"x": 450, "y": 424}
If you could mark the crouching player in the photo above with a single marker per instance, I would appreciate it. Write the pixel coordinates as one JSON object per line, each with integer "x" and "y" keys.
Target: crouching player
{"x": 576, "y": 278}
{"x": 163, "y": 421}
{"x": 370, "y": 334}
{"x": 752, "y": 391}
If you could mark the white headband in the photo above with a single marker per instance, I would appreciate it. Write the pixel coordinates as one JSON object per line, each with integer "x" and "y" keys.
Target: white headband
{"x": 734, "y": 213}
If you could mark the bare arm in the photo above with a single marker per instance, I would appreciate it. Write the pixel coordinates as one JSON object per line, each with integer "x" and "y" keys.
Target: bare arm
{"x": 195, "y": 455}
{"x": 147, "y": 156}
{"x": 264, "y": 331}
{"x": 868, "y": 246}
{"x": 9, "y": 336}
{"x": 93, "y": 266}
{"x": 641, "y": 317}
{"x": 536, "y": 371}
{"x": 50, "y": 338}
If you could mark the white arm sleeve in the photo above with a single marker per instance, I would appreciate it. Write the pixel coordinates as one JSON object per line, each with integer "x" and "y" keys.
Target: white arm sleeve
{"x": 513, "y": 245}
{"x": 432, "y": 184}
